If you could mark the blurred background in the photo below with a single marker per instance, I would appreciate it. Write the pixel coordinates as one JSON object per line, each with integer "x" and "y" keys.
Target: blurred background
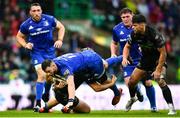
{"x": 88, "y": 23}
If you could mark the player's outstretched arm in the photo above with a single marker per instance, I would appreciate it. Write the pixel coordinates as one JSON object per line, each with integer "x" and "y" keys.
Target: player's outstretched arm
{"x": 71, "y": 90}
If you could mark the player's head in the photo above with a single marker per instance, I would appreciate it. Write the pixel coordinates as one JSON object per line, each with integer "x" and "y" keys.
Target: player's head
{"x": 126, "y": 16}
{"x": 35, "y": 11}
{"x": 49, "y": 67}
{"x": 139, "y": 23}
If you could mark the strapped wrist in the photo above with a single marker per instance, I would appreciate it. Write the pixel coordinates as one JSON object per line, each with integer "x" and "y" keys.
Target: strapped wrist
{"x": 71, "y": 100}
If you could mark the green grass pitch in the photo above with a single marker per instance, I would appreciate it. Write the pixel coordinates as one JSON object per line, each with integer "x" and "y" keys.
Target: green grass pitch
{"x": 95, "y": 114}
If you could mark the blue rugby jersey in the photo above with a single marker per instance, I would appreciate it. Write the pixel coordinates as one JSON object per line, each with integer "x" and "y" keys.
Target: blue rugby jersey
{"x": 121, "y": 34}
{"x": 40, "y": 33}
{"x": 87, "y": 64}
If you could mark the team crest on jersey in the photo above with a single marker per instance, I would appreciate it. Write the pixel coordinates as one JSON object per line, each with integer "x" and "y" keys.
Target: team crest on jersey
{"x": 46, "y": 23}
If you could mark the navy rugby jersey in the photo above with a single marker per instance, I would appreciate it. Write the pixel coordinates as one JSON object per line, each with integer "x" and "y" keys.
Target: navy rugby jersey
{"x": 149, "y": 42}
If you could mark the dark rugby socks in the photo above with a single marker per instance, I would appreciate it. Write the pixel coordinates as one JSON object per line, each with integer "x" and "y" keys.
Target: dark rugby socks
{"x": 132, "y": 90}
{"x": 47, "y": 87}
{"x": 167, "y": 94}
{"x": 115, "y": 90}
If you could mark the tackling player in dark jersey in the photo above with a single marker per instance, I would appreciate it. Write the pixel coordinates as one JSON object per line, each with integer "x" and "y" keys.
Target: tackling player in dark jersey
{"x": 153, "y": 59}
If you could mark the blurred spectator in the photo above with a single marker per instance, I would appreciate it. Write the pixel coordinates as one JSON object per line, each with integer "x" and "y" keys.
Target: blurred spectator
{"x": 16, "y": 84}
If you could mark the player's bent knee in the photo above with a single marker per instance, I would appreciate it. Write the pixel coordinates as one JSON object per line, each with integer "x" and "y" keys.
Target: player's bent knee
{"x": 82, "y": 107}
{"x": 161, "y": 82}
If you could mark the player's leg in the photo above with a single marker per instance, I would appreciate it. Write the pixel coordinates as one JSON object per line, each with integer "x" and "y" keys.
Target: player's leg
{"x": 37, "y": 59}
{"x": 110, "y": 64}
{"x": 134, "y": 79}
{"x": 106, "y": 82}
{"x": 113, "y": 61}
{"x": 39, "y": 85}
{"x": 127, "y": 73}
{"x": 82, "y": 107}
{"x": 47, "y": 86}
{"x": 150, "y": 92}
{"x": 99, "y": 65}
{"x": 166, "y": 92}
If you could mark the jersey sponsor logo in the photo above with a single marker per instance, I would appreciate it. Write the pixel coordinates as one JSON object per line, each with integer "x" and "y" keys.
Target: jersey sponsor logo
{"x": 123, "y": 39}
{"x": 38, "y": 29}
{"x": 31, "y": 27}
{"x": 39, "y": 32}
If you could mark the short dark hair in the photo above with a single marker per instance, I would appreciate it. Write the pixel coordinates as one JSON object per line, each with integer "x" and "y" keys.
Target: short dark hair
{"x": 35, "y": 4}
{"x": 46, "y": 64}
{"x": 125, "y": 10}
{"x": 139, "y": 18}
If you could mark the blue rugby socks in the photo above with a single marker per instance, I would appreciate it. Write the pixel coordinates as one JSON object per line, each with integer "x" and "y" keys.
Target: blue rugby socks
{"x": 39, "y": 91}
{"x": 150, "y": 92}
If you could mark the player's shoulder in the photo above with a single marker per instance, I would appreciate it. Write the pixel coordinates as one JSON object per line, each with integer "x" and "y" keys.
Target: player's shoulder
{"x": 27, "y": 21}
{"x": 47, "y": 16}
{"x": 151, "y": 30}
{"x": 119, "y": 26}
{"x": 133, "y": 34}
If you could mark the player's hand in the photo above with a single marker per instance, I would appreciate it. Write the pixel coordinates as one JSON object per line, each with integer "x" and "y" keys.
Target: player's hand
{"x": 66, "y": 110}
{"x": 29, "y": 46}
{"x": 68, "y": 107}
{"x": 125, "y": 62}
{"x": 156, "y": 74}
{"x": 69, "y": 104}
{"x": 58, "y": 44}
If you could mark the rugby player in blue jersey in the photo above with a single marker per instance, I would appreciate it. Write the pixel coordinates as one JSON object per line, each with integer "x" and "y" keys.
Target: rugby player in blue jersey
{"x": 121, "y": 34}
{"x": 38, "y": 30}
{"x": 85, "y": 66}
{"x": 61, "y": 93}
